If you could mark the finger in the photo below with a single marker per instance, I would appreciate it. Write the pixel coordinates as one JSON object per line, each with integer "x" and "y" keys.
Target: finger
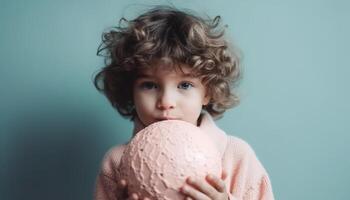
{"x": 193, "y": 193}
{"x": 189, "y": 198}
{"x": 217, "y": 183}
{"x": 203, "y": 186}
{"x": 122, "y": 189}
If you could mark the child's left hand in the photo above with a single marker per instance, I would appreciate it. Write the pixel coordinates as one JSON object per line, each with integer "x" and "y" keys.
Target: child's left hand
{"x": 211, "y": 188}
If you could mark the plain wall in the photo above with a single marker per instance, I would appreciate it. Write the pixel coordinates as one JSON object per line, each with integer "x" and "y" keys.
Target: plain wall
{"x": 55, "y": 127}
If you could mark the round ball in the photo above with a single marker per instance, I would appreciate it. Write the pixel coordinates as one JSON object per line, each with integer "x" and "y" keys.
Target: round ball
{"x": 160, "y": 157}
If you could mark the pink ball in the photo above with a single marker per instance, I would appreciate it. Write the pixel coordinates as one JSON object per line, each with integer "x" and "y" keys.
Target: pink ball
{"x": 160, "y": 157}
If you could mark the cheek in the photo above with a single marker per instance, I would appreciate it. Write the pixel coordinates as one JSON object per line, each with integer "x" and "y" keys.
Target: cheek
{"x": 193, "y": 104}
{"x": 143, "y": 101}
{"x": 191, "y": 110}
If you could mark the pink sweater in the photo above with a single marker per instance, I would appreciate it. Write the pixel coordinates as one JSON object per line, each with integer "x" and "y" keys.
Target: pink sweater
{"x": 247, "y": 179}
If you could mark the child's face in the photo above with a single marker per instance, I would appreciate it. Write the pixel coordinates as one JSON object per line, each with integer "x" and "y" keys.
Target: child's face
{"x": 162, "y": 94}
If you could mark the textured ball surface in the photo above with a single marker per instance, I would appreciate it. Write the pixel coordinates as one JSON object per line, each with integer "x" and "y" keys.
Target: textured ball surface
{"x": 160, "y": 157}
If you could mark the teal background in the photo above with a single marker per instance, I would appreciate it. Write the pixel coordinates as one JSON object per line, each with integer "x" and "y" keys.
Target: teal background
{"x": 55, "y": 127}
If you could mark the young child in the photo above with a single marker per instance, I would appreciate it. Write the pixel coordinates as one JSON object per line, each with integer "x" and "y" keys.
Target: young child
{"x": 170, "y": 64}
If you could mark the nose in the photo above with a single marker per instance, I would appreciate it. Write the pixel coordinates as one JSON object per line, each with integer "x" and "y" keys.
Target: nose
{"x": 166, "y": 100}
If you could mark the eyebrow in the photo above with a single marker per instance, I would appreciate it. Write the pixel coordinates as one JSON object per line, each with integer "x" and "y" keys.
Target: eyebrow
{"x": 143, "y": 75}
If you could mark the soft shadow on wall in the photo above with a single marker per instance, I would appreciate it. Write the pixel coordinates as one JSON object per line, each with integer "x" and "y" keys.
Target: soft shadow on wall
{"x": 52, "y": 152}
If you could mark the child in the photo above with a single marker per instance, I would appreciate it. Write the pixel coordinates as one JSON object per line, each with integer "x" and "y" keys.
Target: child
{"x": 169, "y": 64}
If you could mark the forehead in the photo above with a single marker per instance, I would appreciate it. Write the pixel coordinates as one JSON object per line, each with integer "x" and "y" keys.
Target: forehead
{"x": 163, "y": 68}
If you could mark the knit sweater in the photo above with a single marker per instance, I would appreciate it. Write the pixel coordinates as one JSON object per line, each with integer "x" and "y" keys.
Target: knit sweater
{"x": 246, "y": 177}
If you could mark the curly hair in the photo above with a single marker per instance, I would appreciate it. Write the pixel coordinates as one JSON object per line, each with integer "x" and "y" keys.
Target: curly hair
{"x": 167, "y": 33}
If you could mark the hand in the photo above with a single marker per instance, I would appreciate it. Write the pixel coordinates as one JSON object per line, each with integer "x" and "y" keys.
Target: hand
{"x": 213, "y": 188}
{"x": 123, "y": 192}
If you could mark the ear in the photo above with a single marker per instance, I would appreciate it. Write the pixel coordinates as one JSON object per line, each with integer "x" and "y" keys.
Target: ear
{"x": 206, "y": 100}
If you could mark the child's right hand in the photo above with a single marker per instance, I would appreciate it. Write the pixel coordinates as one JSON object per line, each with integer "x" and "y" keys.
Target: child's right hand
{"x": 124, "y": 194}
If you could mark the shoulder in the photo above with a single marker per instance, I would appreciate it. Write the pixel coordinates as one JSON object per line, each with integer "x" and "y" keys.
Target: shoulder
{"x": 241, "y": 155}
{"x": 111, "y": 160}
{"x": 239, "y": 146}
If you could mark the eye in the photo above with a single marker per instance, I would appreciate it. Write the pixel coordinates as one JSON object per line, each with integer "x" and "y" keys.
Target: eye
{"x": 148, "y": 85}
{"x": 185, "y": 85}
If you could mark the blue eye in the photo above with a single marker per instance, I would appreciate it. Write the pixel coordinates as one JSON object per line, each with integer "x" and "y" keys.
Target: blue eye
{"x": 185, "y": 85}
{"x": 148, "y": 85}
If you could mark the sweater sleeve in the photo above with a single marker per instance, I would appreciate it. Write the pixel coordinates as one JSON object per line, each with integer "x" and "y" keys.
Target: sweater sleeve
{"x": 247, "y": 178}
{"x": 106, "y": 181}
